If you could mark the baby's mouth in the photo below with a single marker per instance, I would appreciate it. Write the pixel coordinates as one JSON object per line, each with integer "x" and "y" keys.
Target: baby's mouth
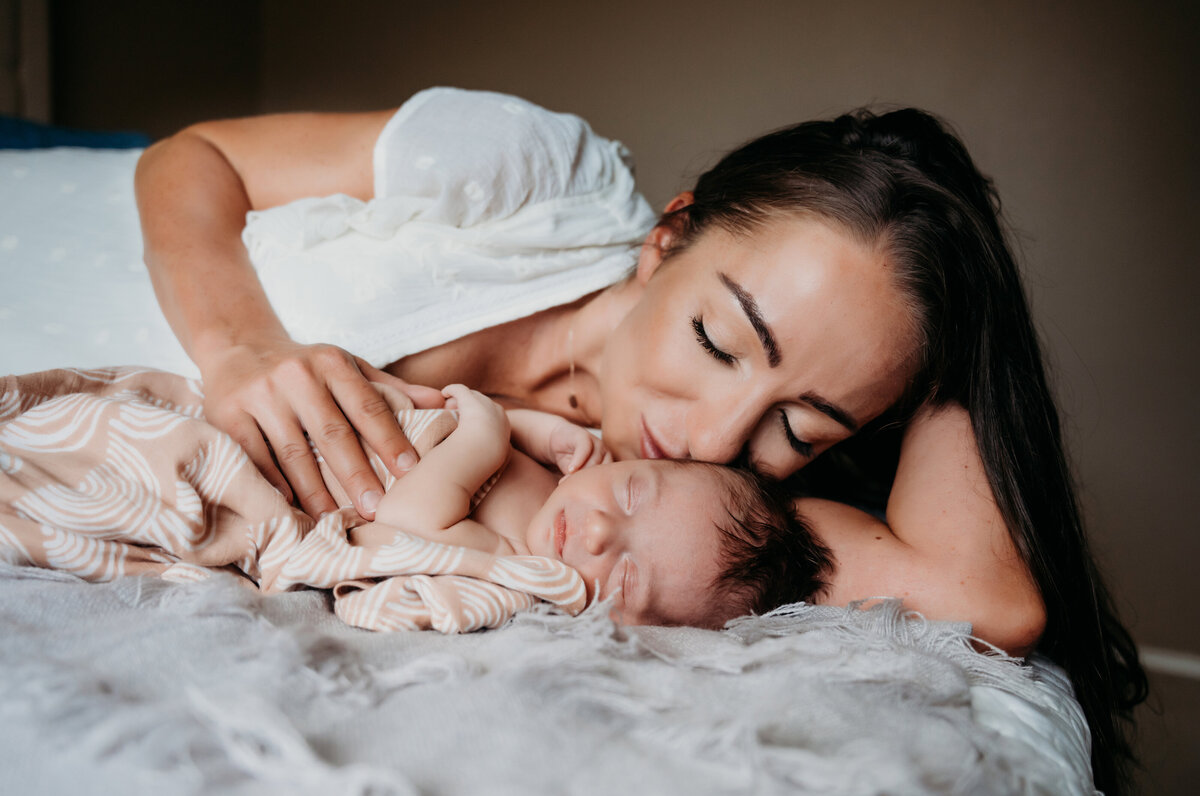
{"x": 560, "y": 533}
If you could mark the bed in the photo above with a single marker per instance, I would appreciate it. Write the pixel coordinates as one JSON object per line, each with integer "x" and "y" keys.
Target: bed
{"x": 146, "y": 685}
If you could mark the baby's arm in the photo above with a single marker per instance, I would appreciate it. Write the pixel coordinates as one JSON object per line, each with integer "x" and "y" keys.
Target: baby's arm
{"x": 436, "y": 494}
{"x": 556, "y": 441}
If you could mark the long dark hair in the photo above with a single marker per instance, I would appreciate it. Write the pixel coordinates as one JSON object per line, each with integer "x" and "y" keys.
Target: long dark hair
{"x": 903, "y": 180}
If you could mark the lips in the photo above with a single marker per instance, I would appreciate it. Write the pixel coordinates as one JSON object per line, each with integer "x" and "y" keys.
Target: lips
{"x": 560, "y": 532}
{"x": 651, "y": 447}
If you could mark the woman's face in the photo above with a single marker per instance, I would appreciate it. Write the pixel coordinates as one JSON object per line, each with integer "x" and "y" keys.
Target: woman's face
{"x": 782, "y": 342}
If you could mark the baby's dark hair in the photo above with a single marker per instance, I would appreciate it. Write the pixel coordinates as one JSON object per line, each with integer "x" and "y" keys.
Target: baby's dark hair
{"x": 769, "y": 555}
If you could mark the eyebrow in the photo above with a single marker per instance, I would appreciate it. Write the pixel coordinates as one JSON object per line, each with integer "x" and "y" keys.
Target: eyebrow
{"x": 771, "y": 348}
{"x": 754, "y": 315}
{"x": 830, "y": 410}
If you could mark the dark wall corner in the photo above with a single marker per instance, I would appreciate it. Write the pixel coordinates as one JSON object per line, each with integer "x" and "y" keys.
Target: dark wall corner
{"x": 154, "y": 66}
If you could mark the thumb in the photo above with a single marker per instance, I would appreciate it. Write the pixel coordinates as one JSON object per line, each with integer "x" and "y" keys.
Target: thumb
{"x": 421, "y": 396}
{"x": 424, "y": 397}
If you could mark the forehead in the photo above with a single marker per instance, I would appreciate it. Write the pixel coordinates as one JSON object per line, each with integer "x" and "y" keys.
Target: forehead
{"x": 842, "y": 324}
{"x": 682, "y": 538}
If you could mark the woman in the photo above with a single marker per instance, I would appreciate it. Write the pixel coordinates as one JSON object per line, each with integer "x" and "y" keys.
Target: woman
{"x": 823, "y": 279}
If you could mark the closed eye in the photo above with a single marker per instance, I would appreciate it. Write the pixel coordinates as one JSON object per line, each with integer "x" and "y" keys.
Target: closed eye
{"x": 707, "y": 344}
{"x": 798, "y": 445}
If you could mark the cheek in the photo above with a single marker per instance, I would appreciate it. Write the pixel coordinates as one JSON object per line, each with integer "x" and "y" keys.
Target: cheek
{"x": 770, "y": 453}
{"x": 634, "y": 375}
{"x": 587, "y": 568}
{"x": 618, "y": 420}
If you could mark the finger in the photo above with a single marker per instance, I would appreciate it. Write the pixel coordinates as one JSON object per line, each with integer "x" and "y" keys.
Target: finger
{"x": 460, "y": 398}
{"x": 246, "y": 433}
{"x": 422, "y": 397}
{"x": 297, "y": 462}
{"x": 580, "y": 457}
{"x": 341, "y": 449}
{"x": 601, "y": 454}
{"x": 368, "y": 413}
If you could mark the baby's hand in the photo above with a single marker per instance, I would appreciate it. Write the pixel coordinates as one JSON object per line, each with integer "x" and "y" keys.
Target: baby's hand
{"x": 573, "y": 447}
{"x": 477, "y": 414}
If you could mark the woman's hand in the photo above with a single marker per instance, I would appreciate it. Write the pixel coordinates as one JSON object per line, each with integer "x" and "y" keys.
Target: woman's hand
{"x": 273, "y": 398}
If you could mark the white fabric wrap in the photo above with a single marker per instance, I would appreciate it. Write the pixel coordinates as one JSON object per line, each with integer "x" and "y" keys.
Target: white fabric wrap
{"x": 487, "y": 209}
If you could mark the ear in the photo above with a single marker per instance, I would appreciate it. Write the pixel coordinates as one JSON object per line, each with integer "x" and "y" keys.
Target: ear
{"x": 659, "y": 241}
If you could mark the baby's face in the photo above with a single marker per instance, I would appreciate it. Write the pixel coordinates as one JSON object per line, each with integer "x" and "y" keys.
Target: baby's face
{"x": 641, "y": 531}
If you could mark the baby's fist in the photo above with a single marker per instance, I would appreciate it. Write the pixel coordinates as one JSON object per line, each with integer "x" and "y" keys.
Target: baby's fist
{"x": 573, "y": 447}
{"x": 475, "y": 410}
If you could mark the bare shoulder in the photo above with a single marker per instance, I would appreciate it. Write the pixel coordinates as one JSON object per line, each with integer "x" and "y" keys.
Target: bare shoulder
{"x": 287, "y": 156}
{"x": 869, "y": 560}
{"x": 944, "y": 547}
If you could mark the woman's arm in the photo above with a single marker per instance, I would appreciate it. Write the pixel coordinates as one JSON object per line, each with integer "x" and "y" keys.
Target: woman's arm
{"x": 944, "y": 549}
{"x": 261, "y": 387}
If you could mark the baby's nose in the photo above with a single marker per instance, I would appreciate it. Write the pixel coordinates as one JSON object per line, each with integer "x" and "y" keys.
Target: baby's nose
{"x": 598, "y": 531}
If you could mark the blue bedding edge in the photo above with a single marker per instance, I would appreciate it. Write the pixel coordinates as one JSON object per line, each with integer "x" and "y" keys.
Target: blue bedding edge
{"x": 23, "y": 134}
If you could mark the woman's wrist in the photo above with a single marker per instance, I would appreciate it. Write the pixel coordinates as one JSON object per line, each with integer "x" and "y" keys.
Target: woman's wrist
{"x": 210, "y": 350}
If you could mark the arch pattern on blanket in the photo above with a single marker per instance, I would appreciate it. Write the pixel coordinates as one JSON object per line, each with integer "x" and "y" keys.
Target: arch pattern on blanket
{"x": 114, "y": 472}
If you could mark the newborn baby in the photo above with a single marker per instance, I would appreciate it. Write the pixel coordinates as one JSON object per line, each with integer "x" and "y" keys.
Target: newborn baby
{"x": 670, "y": 542}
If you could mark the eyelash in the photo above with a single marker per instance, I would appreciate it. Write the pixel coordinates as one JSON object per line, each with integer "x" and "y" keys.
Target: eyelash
{"x": 798, "y": 445}
{"x": 801, "y": 447}
{"x": 707, "y": 344}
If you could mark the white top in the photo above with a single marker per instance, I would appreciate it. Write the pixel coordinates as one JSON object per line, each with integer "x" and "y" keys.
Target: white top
{"x": 487, "y": 209}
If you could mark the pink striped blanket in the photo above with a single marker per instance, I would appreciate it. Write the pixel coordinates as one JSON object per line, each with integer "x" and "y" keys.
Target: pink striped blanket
{"x": 113, "y": 472}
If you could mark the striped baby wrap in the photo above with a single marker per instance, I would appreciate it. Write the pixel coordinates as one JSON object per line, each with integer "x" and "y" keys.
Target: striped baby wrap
{"x": 114, "y": 472}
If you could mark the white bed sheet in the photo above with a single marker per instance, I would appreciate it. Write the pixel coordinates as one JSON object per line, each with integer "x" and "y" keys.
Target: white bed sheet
{"x": 142, "y": 686}
{"x": 74, "y": 290}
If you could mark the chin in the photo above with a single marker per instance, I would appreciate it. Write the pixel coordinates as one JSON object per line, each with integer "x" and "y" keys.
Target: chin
{"x": 621, "y": 450}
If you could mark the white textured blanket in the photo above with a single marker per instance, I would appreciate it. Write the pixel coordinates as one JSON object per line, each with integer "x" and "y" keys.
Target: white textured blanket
{"x": 145, "y": 686}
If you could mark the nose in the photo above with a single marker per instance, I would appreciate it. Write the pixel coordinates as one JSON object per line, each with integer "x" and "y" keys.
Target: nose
{"x": 721, "y": 424}
{"x": 599, "y": 531}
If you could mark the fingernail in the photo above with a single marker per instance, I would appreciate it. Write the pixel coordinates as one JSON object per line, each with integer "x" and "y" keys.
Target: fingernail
{"x": 370, "y": 501}
{"x": 406, "y": 460}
